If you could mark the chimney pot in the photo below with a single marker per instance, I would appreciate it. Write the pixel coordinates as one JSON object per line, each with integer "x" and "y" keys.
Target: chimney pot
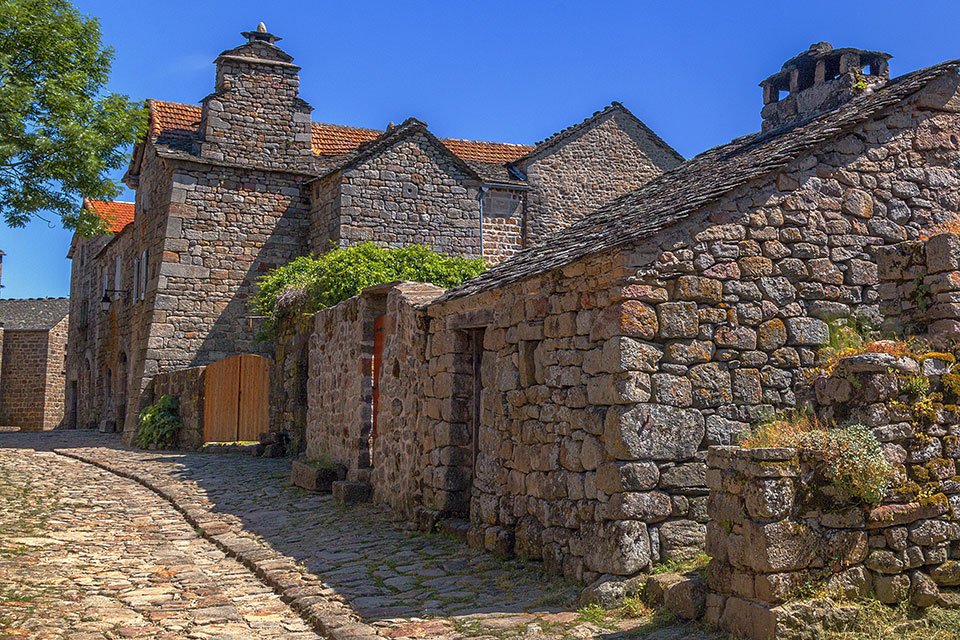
{"x": 819, "y": 79}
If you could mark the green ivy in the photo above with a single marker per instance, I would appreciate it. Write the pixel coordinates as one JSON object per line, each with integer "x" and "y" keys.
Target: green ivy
{"x": 159, "y": 424}
{"x": 311, "y": 283}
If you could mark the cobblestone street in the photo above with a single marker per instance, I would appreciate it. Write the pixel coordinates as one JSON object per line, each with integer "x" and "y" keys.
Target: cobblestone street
{"x": 91, "y": 552}
{"x": 85, "y": 554}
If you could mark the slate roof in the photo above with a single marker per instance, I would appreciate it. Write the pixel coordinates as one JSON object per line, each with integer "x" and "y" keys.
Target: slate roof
{"x": 115, "y": 215}
{"x": 31, "y": 314}
{"x": 693, "y": 185}
{"x": 176, "y": 126}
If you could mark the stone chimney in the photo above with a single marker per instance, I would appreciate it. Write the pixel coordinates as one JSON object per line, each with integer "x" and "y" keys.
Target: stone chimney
{"x": 820, "y": 79}
{"x": 255, "y": 115}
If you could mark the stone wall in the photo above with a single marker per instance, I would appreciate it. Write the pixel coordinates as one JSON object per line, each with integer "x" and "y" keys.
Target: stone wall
{"x": 187, "y": 385}
{"x": 613, "y": 156}
{"x": 503, "y": 217}
{"x": 22, "y": 393}
{"x": 55, "y": 376}
{"x": 402, "y": 443}
{"x": 780, "y": 531}
{"x": 255, "y": 116}
{"x": 289, "y": 380}
{"x": 604, "y": 382}
{"x": 920, "y": 287}
{"x": 340, "y": 392}
{"x": 411, "y": 193}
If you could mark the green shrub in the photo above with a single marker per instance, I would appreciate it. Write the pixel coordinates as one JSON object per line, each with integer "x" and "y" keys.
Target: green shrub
{"x": 852, "y": 457}
{"x": 159, "y": 423}
{"x": 311, "y": 283}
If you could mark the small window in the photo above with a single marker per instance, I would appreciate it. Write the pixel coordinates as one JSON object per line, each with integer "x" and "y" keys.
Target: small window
{"x": 143, "y": 275}
{"x": 136, "y": 279}
{"x": 116, "y": 273}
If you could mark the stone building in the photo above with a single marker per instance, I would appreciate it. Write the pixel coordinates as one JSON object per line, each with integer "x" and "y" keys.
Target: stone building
{"x": 246, "y": 181}
{"x": 33, "y": 342}
{"x": 564, "y": 400}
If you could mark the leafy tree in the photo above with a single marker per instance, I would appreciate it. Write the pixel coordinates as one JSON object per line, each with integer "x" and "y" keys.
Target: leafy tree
{"x": 60, "y": 133}
{"x": 310, "y": 283}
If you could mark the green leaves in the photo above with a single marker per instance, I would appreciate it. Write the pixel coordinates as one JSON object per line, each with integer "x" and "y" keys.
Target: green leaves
{"x": 159, "y": 424}
{"x": 60, "y": 135}
{"x": 311, "y": 283}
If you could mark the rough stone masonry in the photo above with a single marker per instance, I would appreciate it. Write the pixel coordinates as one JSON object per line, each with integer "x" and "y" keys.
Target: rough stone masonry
{"x": 567, "y": 396}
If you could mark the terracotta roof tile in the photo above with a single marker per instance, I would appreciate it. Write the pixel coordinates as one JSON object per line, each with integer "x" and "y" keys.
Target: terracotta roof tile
{"x": 176, "y": 125}
{"x": 336, "y": 140}
{"x": 115, "y": 215}
{"x": 490, "y": 152}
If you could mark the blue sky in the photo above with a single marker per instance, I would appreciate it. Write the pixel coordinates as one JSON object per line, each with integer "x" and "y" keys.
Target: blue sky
{"x": 507, "y": 71}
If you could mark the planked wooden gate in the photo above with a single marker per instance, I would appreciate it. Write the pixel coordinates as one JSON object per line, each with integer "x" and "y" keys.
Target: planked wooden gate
{"x": 236, "y": 402}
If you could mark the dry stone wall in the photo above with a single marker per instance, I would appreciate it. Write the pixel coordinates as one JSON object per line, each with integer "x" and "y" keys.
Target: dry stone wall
{"x": 604, "y": 382}
{"x": 340, "y": 393}
{"x": 402, "y": 443}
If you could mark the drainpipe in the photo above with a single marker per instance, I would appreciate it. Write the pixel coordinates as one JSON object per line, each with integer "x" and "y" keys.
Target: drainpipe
{"x": 483, "y": 190}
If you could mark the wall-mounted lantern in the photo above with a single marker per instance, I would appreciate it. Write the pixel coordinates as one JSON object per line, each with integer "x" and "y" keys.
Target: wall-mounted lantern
{"x": 105, "y": 301}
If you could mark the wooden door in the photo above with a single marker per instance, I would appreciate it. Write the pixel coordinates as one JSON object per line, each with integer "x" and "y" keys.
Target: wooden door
{"x": 220, "y": 408}
{"x": 236, "y": 399}
{"x": 254, "y": 399}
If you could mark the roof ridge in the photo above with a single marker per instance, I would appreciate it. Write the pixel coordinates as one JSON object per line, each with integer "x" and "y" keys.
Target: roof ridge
{"x": 610, "y": 107}
{"x": 509, "y": 144}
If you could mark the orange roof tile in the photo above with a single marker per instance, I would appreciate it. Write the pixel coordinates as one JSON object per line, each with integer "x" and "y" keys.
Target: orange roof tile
{"x": 115, "y": 215}
{"x": 492, "y": 152}
{"x": 336, "y": 140}
{"x": 177, "y": 123}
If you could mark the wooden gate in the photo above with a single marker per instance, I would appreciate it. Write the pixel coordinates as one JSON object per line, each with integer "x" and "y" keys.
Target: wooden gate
{"x": 236, "y": 399}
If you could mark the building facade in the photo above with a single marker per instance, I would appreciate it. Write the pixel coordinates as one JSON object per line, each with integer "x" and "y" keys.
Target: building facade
{"x": 33, "y": 344}
{"x": 564, "y": 400}
{"x": 246, "y": 181}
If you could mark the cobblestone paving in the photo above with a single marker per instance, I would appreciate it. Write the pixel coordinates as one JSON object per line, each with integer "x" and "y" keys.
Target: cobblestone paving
{"x": 85, "y": 554}
{"x": 403, "y": 583}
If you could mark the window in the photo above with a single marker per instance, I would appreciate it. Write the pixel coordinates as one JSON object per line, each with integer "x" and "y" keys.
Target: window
{"x": 136, "y": 279}
{"x": 143, "y": 275}
{"x": 116, "y": 273}
{"x": 106, "y": 278}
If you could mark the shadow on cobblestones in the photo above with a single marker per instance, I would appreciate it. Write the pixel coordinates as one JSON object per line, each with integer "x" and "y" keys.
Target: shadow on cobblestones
{"x": 405, "y": 583}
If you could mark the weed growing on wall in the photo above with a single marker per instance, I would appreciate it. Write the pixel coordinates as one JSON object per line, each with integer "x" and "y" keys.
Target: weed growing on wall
{"x": 311, "y": 283}
{"x": 851, "y": 455}
{"x": 159, "y": 424}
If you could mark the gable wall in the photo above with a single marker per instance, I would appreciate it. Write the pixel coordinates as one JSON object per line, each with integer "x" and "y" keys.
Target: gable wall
{"x": 607, "y": 159}
{"x": 503, "y": 213}
{"x": 411, "y": 193}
